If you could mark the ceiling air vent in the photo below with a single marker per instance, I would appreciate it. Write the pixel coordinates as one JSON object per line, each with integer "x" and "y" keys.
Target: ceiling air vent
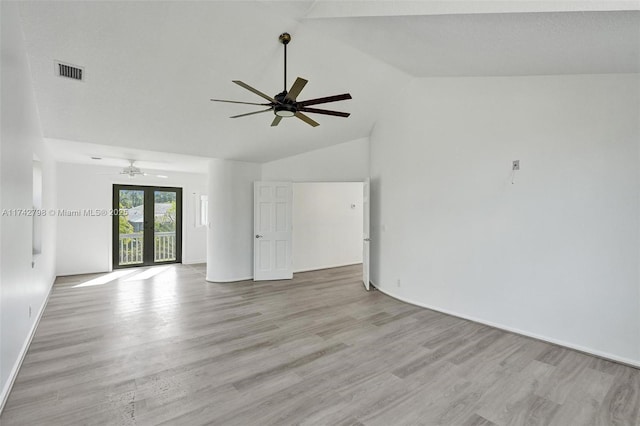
{"x": 70, "y": 71}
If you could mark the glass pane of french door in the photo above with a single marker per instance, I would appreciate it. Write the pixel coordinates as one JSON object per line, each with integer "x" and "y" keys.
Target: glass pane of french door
{"x": 131, "y": 227}
{"x": 164, "y": 226}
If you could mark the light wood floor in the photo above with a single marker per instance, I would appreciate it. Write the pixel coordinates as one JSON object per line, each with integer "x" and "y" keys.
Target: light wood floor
{"x": 318, "y": 349}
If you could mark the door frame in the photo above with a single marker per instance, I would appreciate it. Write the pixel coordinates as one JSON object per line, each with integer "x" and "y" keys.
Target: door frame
{"x": 366, "y": 233}
{"x": 148, "y": 249}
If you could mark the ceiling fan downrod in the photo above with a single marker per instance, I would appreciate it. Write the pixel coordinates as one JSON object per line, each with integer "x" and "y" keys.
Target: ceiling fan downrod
{"x": 285, "y": 38}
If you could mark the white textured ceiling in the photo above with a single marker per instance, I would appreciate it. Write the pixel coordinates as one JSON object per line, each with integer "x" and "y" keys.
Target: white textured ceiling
{"x": 497, "y": 44}
{"x": 117, "y": 156}
{"x": 151, "y": 67}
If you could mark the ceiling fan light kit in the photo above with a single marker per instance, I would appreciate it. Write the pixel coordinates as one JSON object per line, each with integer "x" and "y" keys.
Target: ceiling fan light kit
{"x": 283, "y": 111}
{"x": 285, "y": 103}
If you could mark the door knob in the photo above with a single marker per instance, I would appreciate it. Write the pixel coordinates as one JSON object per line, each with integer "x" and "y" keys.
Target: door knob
{"x": 258, "y": 236}
{"x": 367, "y": 239}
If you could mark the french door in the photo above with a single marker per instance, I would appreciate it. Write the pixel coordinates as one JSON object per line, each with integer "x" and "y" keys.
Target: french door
{"x": 148, "y": 229}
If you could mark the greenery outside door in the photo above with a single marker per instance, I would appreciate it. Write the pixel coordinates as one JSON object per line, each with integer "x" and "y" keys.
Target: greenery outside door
{"x": 148, "y": 230}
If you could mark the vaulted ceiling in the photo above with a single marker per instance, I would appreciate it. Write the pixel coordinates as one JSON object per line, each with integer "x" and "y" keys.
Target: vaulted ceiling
{"x": 151, "y": 67}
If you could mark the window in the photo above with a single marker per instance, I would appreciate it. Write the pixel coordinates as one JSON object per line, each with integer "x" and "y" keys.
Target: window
{"x": 204, "y": 210}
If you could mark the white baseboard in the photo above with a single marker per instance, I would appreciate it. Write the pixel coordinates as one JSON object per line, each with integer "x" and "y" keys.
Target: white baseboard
{"x": 23, "y": 351}
{"x": 229, "y": 280}
{"x": 193, "y": 262}
{"x": 586, "y": 350}
{"x": 233, "y": 280}
{"x": 317, "y": 268}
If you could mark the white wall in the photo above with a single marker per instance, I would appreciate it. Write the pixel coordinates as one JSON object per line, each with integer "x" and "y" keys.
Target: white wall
{"x": 555, "y": 254}
{"x": 85, "y": 243}
{"x": 230, "y": 231}
{"x": 24, "y": 285}
{"x": 345, "y": 162}
{"x": 327, "y": 230}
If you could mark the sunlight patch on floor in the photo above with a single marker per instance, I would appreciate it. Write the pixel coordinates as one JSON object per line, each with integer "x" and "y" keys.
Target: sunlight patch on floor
{"x": 147, "y": 273}
{"x": 104, "y": 279}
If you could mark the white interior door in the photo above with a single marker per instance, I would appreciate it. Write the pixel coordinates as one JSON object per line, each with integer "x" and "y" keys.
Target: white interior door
{"x": 272, "y": 208}
{"x": 365, "y": 233}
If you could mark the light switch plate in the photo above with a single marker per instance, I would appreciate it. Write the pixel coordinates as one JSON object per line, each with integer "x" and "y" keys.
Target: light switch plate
{"x": 516, "y": 165}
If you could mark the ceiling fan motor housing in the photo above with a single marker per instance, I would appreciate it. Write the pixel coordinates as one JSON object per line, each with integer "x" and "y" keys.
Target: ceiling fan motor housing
{"x": 284, "y": 107}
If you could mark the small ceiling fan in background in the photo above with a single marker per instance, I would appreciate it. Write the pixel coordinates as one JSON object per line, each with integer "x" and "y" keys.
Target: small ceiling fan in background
{"x": 132, "y": 171}
{"x": 285, "y": 104}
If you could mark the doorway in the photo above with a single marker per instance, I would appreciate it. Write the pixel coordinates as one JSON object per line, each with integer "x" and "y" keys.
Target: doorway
{"x": 148, "y": 229}
{"x": 307, "y": 226}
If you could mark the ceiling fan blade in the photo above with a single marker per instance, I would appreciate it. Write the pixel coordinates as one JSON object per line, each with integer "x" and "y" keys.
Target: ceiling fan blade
{"x": 251, "y": 113}
{"x": 238, "y": 102}
{"x": 297, "y": 87}
{"x": 325, "y": 111}
{"x": 325, "y": 100}
{"x": 276, "y": 121}
{"x": 256, "y": 91}
{"x": 306, "y": 119}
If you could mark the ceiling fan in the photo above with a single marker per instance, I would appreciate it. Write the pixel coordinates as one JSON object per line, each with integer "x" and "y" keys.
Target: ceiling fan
{"x": 132, "y": 171}
{"x": 285, "y": 104}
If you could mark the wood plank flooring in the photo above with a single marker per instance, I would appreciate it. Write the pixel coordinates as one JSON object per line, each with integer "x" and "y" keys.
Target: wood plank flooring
{"x": 162, "y": 346}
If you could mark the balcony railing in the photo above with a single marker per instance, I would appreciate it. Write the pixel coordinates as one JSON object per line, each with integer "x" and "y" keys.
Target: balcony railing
{"x": 132, "y": 248}
{"x": 165, "y": 248}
